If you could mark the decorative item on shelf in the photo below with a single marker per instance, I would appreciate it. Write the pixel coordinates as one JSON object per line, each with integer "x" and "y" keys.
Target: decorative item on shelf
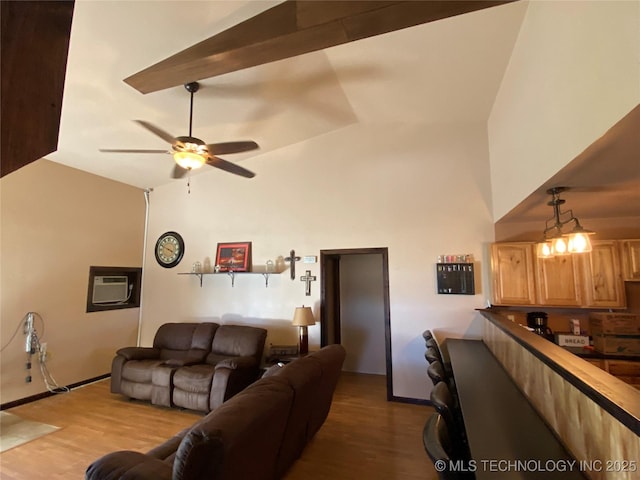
{"x": 555, "y": 241}
{"x": 466, "y": 258}
{"x": 269, "y": 266}
{"x": 196, "y": 267}
{"x": 292, "y": 259}
{"x": 206, "y": 266}
{"x": 234, "y": 257}
{"x": 303, "y": 318}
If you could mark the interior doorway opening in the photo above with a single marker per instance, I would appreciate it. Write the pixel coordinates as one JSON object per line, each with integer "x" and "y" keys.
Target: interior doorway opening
{"x": 354, "y": 308}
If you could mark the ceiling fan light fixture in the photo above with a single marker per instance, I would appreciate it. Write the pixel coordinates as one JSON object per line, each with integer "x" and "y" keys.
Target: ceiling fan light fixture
{"x": 189, "y": 160}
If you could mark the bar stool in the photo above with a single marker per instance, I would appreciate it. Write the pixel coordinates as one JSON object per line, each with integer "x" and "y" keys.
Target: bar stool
{"x": 431, "y": 342}
{"x": 427, "y": 335}
{"x": 445, "y": 405}
{"x": 435, "y": 370}
{"x": 437, "y": 444}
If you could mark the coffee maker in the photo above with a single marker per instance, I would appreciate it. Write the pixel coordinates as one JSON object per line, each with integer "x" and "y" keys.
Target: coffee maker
{"x": 538, "y": 322}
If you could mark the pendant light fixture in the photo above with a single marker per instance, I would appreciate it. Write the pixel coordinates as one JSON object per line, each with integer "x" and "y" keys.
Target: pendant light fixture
{"x": 556, "y": 241}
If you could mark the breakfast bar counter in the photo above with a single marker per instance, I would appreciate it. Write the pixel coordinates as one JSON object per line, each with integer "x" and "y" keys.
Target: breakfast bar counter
{"x": 507, "y": 438}
{"x": 595, "y": 415}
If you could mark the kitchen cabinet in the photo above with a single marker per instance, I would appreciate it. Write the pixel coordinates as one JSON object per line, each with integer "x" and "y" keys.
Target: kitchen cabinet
{"x": 558, "y": 281}
{"x": 631, "y": 260}
{"x": 512, "y": 270}
{"x": 603, "y": 285}
{"x": 586, "y": 280}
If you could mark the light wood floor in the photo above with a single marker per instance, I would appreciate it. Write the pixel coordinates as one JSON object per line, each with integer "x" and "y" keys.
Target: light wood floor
{"x": 364, "y": 437}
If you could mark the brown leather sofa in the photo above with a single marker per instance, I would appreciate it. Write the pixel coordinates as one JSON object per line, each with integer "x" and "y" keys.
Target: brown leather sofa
{"x": 211, "y": 363}
{"x": 256, "y": 435}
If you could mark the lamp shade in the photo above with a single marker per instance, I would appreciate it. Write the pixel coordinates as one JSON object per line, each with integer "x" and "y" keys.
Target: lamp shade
{"x": 303, "y": 317}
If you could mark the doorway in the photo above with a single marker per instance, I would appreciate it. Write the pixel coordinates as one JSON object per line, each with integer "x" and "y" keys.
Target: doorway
{"x": 354, "y": 308}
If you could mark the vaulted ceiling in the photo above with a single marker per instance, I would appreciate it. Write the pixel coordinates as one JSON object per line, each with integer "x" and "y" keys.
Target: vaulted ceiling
{"x": 447, "y": 70}
{"x": 444, "y": 71}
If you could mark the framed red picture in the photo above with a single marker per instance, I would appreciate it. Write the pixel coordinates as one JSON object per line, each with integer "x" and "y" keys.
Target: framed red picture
{"x": 233, "y": 257}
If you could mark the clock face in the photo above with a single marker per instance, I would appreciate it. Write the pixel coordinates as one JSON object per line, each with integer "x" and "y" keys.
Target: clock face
{"x": 169, "y": 249}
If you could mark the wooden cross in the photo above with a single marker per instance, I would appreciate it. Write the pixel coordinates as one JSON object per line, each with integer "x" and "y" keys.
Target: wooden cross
{"x": 292, "y": 259}
{"x": 308, "y": 278}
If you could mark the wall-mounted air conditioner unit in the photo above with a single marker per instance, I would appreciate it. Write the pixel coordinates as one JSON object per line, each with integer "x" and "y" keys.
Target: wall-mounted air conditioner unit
{"x": 110, "y": 289}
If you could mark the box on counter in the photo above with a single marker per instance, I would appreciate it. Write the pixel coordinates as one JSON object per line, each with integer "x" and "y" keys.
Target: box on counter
{"x": 614, "y": 324}
{"x": 566, "y": 339}
{"x": 617, "y": 344}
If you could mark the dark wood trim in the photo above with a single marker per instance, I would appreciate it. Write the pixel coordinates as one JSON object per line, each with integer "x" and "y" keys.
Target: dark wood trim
{"x": 587, "y": 378}
{"x": 40, "y": 396}
{"x": 331, "y": 255}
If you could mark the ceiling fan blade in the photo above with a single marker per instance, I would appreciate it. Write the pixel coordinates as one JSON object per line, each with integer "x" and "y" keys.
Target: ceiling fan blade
{"x": 178, "y": 171}
{"x": 231, "y": 147}
{"x": 229, "y": 167}
{"x": 158, "y": 131}
{"x": 129, "y": 150}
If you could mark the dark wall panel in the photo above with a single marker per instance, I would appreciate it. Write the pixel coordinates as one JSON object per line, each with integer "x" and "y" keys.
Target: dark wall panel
{"x": 35, "y": 43}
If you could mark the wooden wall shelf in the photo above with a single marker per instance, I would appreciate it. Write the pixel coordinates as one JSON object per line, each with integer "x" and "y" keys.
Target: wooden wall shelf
{"x": 200, "y": 275}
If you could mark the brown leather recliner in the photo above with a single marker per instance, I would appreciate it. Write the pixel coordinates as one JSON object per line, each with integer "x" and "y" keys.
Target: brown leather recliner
{"x": 232, "y": 364}
{"x": 145, "y": 373}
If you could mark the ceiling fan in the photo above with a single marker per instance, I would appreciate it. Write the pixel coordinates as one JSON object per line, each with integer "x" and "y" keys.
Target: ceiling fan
{"x": 190, "y": 152}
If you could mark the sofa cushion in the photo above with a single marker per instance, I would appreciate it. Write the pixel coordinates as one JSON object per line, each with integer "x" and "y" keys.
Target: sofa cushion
{"x": 304, "y": 376}
{"x": 246, "y": 432}
{"x": 194, "y": 378}
{"x": 237, "y": 341}
{"x": 139, "y": 371}
{"x": 330, "y": 359}
{"x": 184, "y": 336}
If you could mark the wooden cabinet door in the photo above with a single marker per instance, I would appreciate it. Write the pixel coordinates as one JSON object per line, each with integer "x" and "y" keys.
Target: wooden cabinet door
{"x": 512, "y": 274}
{"x": 558, "y": 281}
{"x": 631, "y": 260}
{"x": 603, "y": 285}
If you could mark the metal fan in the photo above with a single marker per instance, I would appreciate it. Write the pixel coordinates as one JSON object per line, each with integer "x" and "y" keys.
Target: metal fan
{"x": 190, "y": 152}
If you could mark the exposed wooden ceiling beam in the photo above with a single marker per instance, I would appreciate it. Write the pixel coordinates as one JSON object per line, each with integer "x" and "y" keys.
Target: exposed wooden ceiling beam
{"x": 292, "y": 28}
{"x": 34, "y": 46}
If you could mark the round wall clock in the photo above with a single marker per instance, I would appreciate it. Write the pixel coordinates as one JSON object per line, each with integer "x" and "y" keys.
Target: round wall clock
{"x": 169, "y": 249}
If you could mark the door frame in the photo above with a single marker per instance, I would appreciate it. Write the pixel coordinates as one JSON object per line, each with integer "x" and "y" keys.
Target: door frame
{"x": 330, "y": 300}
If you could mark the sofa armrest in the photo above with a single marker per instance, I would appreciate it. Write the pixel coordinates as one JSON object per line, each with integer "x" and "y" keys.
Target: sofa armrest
{"x": 139, "y": 353}
{"x": 236, "y": 363}
{"x": 130, "y": 466}
{"x": 231, "y": 376}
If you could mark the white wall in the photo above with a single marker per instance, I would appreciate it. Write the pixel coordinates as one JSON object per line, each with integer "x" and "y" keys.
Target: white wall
{"x": 57, "y": 222}
{"x": 574, "y": 72}
{"x": 421, "y": 190}
{"x": 362, "y": 313}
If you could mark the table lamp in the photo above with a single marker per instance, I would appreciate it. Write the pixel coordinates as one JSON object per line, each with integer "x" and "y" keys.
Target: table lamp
{"x": 302, "y": 318}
